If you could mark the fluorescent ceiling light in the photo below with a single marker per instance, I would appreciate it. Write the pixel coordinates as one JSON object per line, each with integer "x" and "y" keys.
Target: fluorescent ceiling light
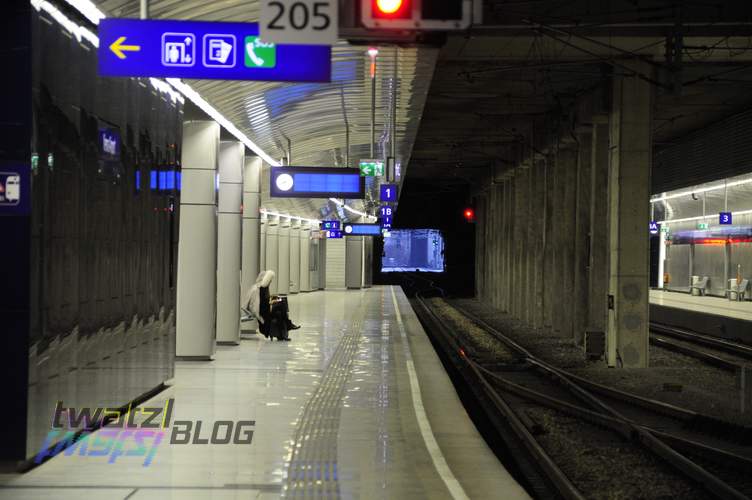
{"x": 277, "y": 214}
{"x": 700, "y": 190}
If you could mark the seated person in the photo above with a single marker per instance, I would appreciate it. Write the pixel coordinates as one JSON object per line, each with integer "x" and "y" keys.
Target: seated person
{"x": 272, "y": 313}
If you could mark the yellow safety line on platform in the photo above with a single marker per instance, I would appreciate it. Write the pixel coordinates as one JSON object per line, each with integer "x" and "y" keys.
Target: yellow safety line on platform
{"x": 439, "y": 462}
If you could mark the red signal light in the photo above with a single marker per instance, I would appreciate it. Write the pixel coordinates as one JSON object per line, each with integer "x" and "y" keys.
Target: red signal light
{"x": 469, "y": 214}
{"x": 391, "y": 9}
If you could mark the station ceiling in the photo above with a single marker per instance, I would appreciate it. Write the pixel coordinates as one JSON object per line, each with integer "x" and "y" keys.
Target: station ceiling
{"x": 311, "y": 121}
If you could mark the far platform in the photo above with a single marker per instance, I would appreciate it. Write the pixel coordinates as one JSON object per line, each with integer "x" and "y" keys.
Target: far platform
{"x": 711, "y": 315}
{"x": 357, "y": 405}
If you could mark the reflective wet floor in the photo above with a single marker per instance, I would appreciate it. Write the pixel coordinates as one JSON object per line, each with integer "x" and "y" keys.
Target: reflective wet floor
{"x": 347, "y": 409}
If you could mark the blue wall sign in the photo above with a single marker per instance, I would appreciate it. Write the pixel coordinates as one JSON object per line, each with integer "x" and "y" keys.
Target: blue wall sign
{"x": 15, "y": 189}
{"x": 724, "y": 218}
{"x": 362, "y": 230}
{"x": 200, "y": 49}
{"x": 333, "y": 233}
{"x": 654, "y": 227}
{"x": 330, "y": 224}
{"x": 386, "y": 211}
{"x": 386, "y": 221}
{"x": 388, "y": 192}
{"x": 317, "y": 182}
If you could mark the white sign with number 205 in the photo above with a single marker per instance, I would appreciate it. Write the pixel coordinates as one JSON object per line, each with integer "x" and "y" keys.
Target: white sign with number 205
{"x": 308, "y": 22}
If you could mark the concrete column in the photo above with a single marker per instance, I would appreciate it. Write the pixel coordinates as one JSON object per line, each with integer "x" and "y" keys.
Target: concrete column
{"x": 229, "y": 223}
{"x": 566, "y": 174}
{"x": 548, "y": 241}
{"x": 521, "y": 221}
{"x": 509, "y": 243}
{"x": 629, "y": 186}
{"x": 295, "y": 257}
{"x": 272, "y": 251}
{"x": 498, "y": 211}
{"x": 197, "y": 245}
{"x": 598, "y": 275}
{"x": 582, "y": 234}
{"x": 251, "y": 250}
{"x": 531, "y": 210}
{"x": 537, "y": 229}
{"x": 480, "y": 247}
{"x": 305, "y": 257}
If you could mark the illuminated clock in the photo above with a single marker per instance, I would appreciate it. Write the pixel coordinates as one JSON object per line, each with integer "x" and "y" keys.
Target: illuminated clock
{"x": 284, "y": 182}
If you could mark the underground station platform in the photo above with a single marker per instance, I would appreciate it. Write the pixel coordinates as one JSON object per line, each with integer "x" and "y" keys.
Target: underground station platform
{"x": 356, "y": 405}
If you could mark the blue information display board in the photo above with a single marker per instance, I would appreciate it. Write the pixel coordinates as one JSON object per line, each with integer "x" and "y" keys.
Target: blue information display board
{"x": 317, "y": 182}
{"x": 15, "y": 189}
{"x": 388, "y": 192}
{"x": 362, "y": 229}
{"x": 330, "y": 224}
{"x": 208, "y": 50}
{"x": 725, "y": 218}
{"x": 333, "y": 233}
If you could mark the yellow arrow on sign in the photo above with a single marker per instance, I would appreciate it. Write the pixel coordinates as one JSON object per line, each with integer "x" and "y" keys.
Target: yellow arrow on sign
{"x": 118, "y": 48}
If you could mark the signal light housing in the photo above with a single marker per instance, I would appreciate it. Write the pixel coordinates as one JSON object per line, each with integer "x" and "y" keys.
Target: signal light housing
{"x": 469, "y": 214}
{"x": 423, "y": 15}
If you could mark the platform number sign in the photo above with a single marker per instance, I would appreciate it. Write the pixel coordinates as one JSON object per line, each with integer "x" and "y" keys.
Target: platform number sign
{"x": 306, "y": 22}
{"x": 654, "y": 227}
{"x": 388, "y": 192}
{"x": 725, "y": 218}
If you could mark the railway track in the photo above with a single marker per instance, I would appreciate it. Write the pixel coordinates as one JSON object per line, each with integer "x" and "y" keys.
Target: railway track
{"x": 721, "y": 353}
{"x": 713, "y": 454}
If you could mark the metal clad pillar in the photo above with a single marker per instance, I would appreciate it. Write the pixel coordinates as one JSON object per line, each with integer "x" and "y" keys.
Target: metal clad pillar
{"x": 629, "y": 185}
{"x": 262, "y": 244}
{"x": 229, "y": 223}
{"x": 305, "y": 257}
{"x": 283, "y": 276}
{"x": 295, "y": 257}
{"x": 251, "y": 251}
{"x": 197, "y": 245}
{"x": 272, "y": 250}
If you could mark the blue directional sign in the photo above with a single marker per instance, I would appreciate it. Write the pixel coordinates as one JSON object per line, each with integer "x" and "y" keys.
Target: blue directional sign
{"x": 388, "y": 192}
{"x": 330, "y": 224}
{"x": 386, "y": 211}
{"x": 333, "y": 233}
{"x": 725, "y": 218}
{"x": 654, "y": 227}
{"x": 386, "y": 221}
{"x": 199, "y": 49}
{"x": 15, "y": 189}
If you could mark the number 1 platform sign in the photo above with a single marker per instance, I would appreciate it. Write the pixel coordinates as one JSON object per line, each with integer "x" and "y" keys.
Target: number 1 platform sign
{"x": 205, "y": 50}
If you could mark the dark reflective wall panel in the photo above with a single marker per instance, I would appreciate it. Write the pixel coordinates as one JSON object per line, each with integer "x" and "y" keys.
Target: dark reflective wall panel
{"x": 103, "y": 249}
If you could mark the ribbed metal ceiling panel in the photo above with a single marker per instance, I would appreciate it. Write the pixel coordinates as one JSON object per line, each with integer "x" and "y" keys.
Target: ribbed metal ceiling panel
{"x": 311, "y": 117}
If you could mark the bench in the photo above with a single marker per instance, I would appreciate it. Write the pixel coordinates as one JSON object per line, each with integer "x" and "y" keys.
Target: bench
{"x": 701, "y": 285}
{"x": 740, "y": 290}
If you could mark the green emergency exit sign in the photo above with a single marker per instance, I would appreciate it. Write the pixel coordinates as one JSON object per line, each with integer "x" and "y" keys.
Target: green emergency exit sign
{"x": 371, "y": 168}
{"x": 702, "y": 225}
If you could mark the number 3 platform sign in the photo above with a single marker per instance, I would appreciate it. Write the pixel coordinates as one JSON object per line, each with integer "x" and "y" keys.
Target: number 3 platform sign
{"x": 305, "y": 22}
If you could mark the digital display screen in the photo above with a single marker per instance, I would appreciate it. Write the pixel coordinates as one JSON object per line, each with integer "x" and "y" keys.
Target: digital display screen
{"x": 413, "y": 249}
{"x": 316, "y": 182}
{"x": 362, "y": 230}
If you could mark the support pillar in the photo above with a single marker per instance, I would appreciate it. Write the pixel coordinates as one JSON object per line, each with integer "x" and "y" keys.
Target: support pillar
{"x": 565, "y": 223}
{"x": 305, "y": 257}
{"x": 582, "y": 235}
{"x": 262, "y": 244}
{"x": 272, "y": 251}
{"x": 197, "y": 245}
{"x": 295, "y": 256}
{"x": 548, "y": 241}
{"x": 229, "y": 223}
{"x": 509, "y": 243}
{"x": 598, "y": 275}
{"x": 537, "y": 229}
{"x": 629, "y": 186}
{"x": 251, "y": 251}
{"x": 283, "y": 267}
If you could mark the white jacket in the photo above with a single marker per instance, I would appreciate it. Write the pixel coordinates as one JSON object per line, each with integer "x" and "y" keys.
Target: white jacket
{"x": 253, "y": 297}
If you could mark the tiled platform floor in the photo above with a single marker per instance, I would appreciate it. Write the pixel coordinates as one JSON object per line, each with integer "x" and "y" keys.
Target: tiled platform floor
{"x": 335, "y": 413}
{"x": 708, "y": 305}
